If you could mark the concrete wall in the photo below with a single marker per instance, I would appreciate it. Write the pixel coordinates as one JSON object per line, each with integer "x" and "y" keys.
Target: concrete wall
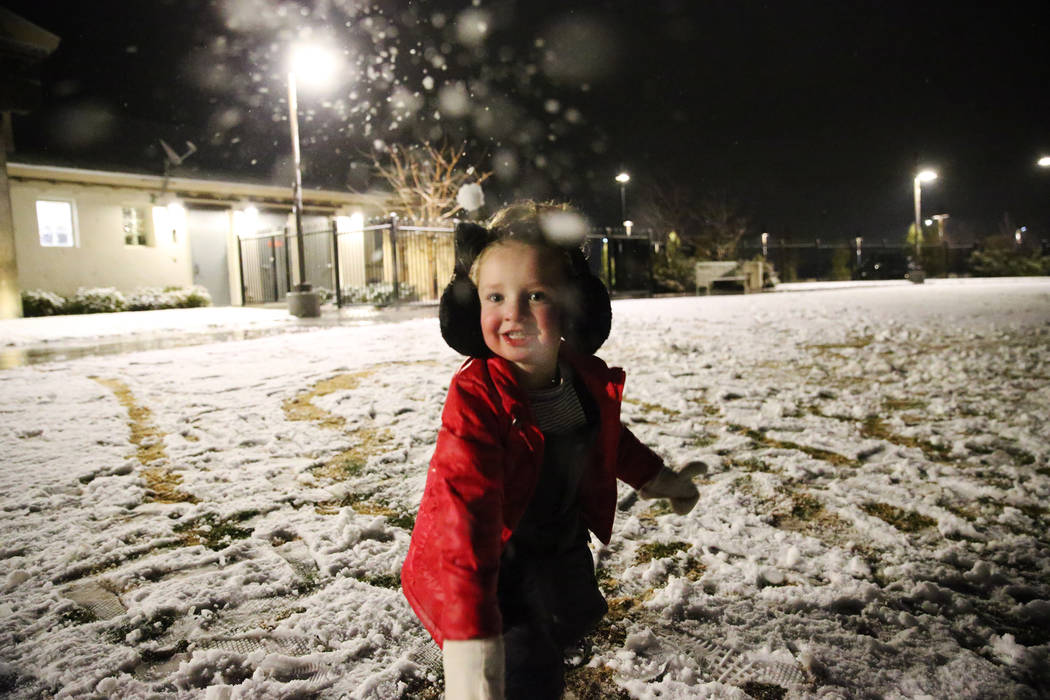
{"x": 100, "y": 257}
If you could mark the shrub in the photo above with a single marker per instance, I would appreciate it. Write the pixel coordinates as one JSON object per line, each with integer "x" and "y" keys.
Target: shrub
{"x": 378, "y": 293}
{"x": 1004, "y": 263}
{"x": 674, "y": 273}
{"x": 96, "y": 301}
{"x": 168, "y": 298}
{"x": 37, "y": 302}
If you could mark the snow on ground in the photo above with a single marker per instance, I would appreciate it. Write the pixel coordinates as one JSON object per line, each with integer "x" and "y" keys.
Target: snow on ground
{"x": 228, "y": 520}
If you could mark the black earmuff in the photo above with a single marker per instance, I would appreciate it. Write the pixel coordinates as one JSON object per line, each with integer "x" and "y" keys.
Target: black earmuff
{"x": 587, "y": 314}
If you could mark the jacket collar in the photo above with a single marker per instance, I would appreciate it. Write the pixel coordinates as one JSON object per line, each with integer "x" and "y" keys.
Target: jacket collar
{"x": 603, "y": 382}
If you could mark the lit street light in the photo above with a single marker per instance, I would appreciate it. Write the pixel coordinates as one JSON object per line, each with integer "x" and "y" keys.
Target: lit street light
{"x": 923, "y": 176}
{"x": 1044, "y": 162}
{"x": 623, "y": 179}
{"x": 316, "y": 65}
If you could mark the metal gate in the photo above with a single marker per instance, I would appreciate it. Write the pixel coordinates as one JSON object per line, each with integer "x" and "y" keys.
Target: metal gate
{"x": 624, "y": 263}
{"x": 388, "y": 262}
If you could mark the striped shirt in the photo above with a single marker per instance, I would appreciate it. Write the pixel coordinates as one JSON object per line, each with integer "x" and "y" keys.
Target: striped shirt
{"x": 558, "y": 409}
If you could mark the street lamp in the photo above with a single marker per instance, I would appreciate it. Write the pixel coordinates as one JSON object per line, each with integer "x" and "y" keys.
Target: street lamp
{"x": 1044, "y": 162}
{"x": 316, "y": 65}
{"x": 623, "y": 179}
{"x": 923, "y": 176}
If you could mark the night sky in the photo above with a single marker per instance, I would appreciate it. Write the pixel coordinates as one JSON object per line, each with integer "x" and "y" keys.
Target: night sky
{"x": 812, "y": 116}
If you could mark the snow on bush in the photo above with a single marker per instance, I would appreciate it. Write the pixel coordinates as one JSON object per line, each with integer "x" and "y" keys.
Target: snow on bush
{"x": 147, "y": 298}
{"x": 96, "y": 301}
{"x": 37, "y": 302}
{"x": 379, "y": 293}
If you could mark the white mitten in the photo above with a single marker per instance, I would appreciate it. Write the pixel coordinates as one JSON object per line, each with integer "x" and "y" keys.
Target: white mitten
{"x": 675, "y": 487}
{"x": 473, "y": 669}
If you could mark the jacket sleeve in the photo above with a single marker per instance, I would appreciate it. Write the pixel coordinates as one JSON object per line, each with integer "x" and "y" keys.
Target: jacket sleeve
{"x": 636, "y": 463}
{"x": 460, "y": 521}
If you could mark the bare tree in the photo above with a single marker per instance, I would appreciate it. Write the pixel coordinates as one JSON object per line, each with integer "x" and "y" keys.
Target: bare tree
{"x": 425, "y": 179}
{"x": 721, "y": 227}
{"x": 709, "y": 225}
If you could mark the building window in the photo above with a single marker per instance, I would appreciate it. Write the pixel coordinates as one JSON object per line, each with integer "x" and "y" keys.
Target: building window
{"x": 54, "y": 221}
{"x": 136, "y": 226}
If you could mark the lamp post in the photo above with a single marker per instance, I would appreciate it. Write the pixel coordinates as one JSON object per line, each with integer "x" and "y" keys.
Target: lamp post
{"x": 940, "y": 219}
{"x": 923, "y": 176}
{"x": 315, "y": 63}
{"x": 623, "y": 178}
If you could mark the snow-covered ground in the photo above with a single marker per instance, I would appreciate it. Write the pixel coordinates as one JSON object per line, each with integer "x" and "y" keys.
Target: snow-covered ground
{"x": 228, "y": 520}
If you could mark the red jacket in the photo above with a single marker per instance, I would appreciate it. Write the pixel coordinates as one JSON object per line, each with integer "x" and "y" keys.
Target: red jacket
{"x": 482, "y": 476}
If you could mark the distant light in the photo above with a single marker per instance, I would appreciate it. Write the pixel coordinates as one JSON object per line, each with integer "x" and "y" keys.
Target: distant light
{"x": 354, "y": 223}
{"x": 1017, "y": 235}
{"x": 926, "y": 176}
{"x": 623, "y": 178}
{"x": 1044, "y": 162}
{"x": 312, "y": 64}
{"x": 928, "y": 222}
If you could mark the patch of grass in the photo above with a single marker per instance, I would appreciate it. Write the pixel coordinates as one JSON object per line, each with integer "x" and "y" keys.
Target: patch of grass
{"x": 586, "y": 683}
{"x": 1021, "y": 457}
{"x": 903, "y": 520}
{"x": 605, "y": 579}
{"x": 876, "y": 428}
{"x": 77, "y": 615}
{"x": 805, "y": 507}
{"x": 994, "y": 478}
{"x": 751, "y": 464}
{"x": 611, "y": 632}
{"x": 162, "y": 486}
{"x": 854, "y": 343}
{"x": 161, "y": 482}
{"x": 151, "y": 628}
{"x": 652, "y": 407}
{"x": 361, "y": 504}
{"x": 892, "y": 404}
{"x": 301, "y": 407}
{"x": 1036, "y": 513}
{"x": 764, "y": 691}
{"x": 420, "y": 687}
{"x": 703, "y": 440}
{"x": 661, "y": 507}
{"x": 659, "y": 550}
{"x": 214, "y": 532}
{"x": 760, "y": 439}
{"x": 391, "y": 581}
{"x": 967, "y": 513}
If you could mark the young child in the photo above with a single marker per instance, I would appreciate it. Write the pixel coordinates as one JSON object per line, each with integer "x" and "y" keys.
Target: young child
{"x": 531, "y": 444}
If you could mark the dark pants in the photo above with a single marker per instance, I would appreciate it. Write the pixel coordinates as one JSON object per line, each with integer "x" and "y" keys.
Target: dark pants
{"x": 535, "y": 667}
{"x": 548, "y": 603}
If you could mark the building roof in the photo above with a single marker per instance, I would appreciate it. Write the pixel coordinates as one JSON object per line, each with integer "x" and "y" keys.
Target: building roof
{"x": 201, "y": 190}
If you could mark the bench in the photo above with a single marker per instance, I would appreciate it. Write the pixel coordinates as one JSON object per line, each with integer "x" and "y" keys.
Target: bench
{"x": 750, "y": 274}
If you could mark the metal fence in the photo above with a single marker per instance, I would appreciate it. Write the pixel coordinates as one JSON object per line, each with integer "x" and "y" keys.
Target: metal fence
{"x": 817, "y": 260}
{"x": 623, "y": 262}
{"x": 377, "y": 264}
{"x": 395, "y": 261}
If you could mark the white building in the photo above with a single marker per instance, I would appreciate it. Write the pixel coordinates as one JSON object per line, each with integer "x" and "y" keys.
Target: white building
{"x": 88, "y": 228}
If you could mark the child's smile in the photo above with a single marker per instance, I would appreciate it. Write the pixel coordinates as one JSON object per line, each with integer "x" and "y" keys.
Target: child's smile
{"x": 519, "y": 317}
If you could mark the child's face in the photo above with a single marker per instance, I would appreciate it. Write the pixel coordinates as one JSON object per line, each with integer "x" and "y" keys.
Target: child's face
{"x": 518, "y": 286}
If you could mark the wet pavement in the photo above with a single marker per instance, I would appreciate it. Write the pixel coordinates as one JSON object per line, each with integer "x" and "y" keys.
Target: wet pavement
{"x": 109, "y": 341}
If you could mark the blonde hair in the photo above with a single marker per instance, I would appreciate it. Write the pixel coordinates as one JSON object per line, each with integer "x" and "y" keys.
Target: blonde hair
{"x": 523, "y": 222}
